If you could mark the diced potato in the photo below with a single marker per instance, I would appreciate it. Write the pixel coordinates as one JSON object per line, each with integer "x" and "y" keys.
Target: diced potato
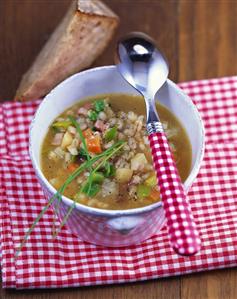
{"x": 138, "y": 161}
{"x": 67, "y": 157}
{"x": 67, "y": 140}
{"x": 73, "y": 147}
{"x": 72, "y": 150}
{"x": 123, "y": 175}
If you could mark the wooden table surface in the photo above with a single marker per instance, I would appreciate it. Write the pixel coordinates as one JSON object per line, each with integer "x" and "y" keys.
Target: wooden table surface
{"x": 199, "y": 38}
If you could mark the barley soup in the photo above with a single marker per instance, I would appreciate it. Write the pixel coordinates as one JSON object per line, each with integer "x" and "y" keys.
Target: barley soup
{"x": 110, "y": 131}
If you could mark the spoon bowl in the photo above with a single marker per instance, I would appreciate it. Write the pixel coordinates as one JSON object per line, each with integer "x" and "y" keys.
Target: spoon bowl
{"x": 141, "y": 63}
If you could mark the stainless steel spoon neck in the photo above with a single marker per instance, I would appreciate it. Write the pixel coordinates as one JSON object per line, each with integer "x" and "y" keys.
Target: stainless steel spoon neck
{"x": 154, "y": 124}
{"x": 151, "y": 113}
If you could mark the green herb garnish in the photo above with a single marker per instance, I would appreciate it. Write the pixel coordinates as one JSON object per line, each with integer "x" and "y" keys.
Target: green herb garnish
{"x": 92, "y": 115}
{"x": 90, "y": 189}
{"x": 111, "y": 134}
{"x": 92, "y": 185}
{"x": 108, "y": 169}
{"x": 82, "y": 153}
{"x": 99, "y": 105}
{"x": 97, "y": 177}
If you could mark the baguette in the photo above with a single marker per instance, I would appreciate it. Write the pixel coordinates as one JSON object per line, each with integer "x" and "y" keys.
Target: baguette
{"x": 78, "y": 40}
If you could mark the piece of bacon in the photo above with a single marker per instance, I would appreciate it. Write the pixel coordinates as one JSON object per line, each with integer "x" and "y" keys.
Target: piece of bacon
{"x": 57, "y": 139}
{"x": 88, "y": 106}
{"x": 82, "y": 111}
{"x": 100, "y": 125}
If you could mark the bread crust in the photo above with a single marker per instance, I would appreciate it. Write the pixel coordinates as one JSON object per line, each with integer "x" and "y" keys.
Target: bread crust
{"x": 79, "y": 39}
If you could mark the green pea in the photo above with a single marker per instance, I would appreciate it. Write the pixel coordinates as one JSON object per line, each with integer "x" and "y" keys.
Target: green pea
{"x": 111, "y": 134}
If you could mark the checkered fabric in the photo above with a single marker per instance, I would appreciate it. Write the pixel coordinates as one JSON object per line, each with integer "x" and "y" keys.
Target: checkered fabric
{"x": 66, "y": 261}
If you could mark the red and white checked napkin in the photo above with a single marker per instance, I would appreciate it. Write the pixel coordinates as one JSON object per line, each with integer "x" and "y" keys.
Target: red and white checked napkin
{"x": 67, "y": 261}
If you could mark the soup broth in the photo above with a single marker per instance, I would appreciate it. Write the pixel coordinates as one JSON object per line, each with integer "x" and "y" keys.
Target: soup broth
{"x": 113, "y": 132}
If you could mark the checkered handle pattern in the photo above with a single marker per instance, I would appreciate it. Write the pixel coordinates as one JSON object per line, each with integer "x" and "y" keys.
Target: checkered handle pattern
{"x": 183, "y": 234}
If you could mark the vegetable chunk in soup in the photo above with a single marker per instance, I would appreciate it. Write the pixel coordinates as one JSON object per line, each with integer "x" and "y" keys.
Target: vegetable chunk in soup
{"x": 106, "y": 137}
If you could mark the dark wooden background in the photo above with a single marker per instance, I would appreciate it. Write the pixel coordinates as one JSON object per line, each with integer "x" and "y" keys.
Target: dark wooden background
{"x": 199, "y": 38}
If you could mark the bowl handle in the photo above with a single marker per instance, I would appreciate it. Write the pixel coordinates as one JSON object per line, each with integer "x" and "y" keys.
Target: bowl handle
{"x": 124, "y": 224}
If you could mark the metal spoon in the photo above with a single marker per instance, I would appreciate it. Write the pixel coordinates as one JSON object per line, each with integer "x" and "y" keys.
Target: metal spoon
{"x": 144, "y": 67}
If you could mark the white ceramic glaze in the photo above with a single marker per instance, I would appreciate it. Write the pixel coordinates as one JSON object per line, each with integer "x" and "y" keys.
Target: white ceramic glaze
{"x": 111, "y": 227}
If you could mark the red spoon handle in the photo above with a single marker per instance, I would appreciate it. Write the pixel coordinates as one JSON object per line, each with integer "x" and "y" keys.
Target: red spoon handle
{"x": 183, "y": 234}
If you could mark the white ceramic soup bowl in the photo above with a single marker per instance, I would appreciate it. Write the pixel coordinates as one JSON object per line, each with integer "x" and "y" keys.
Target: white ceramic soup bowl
{"x": 111, "y": 227}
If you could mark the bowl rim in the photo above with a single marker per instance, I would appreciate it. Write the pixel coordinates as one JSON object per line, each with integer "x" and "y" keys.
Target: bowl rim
{"x": 102, "y": 212}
